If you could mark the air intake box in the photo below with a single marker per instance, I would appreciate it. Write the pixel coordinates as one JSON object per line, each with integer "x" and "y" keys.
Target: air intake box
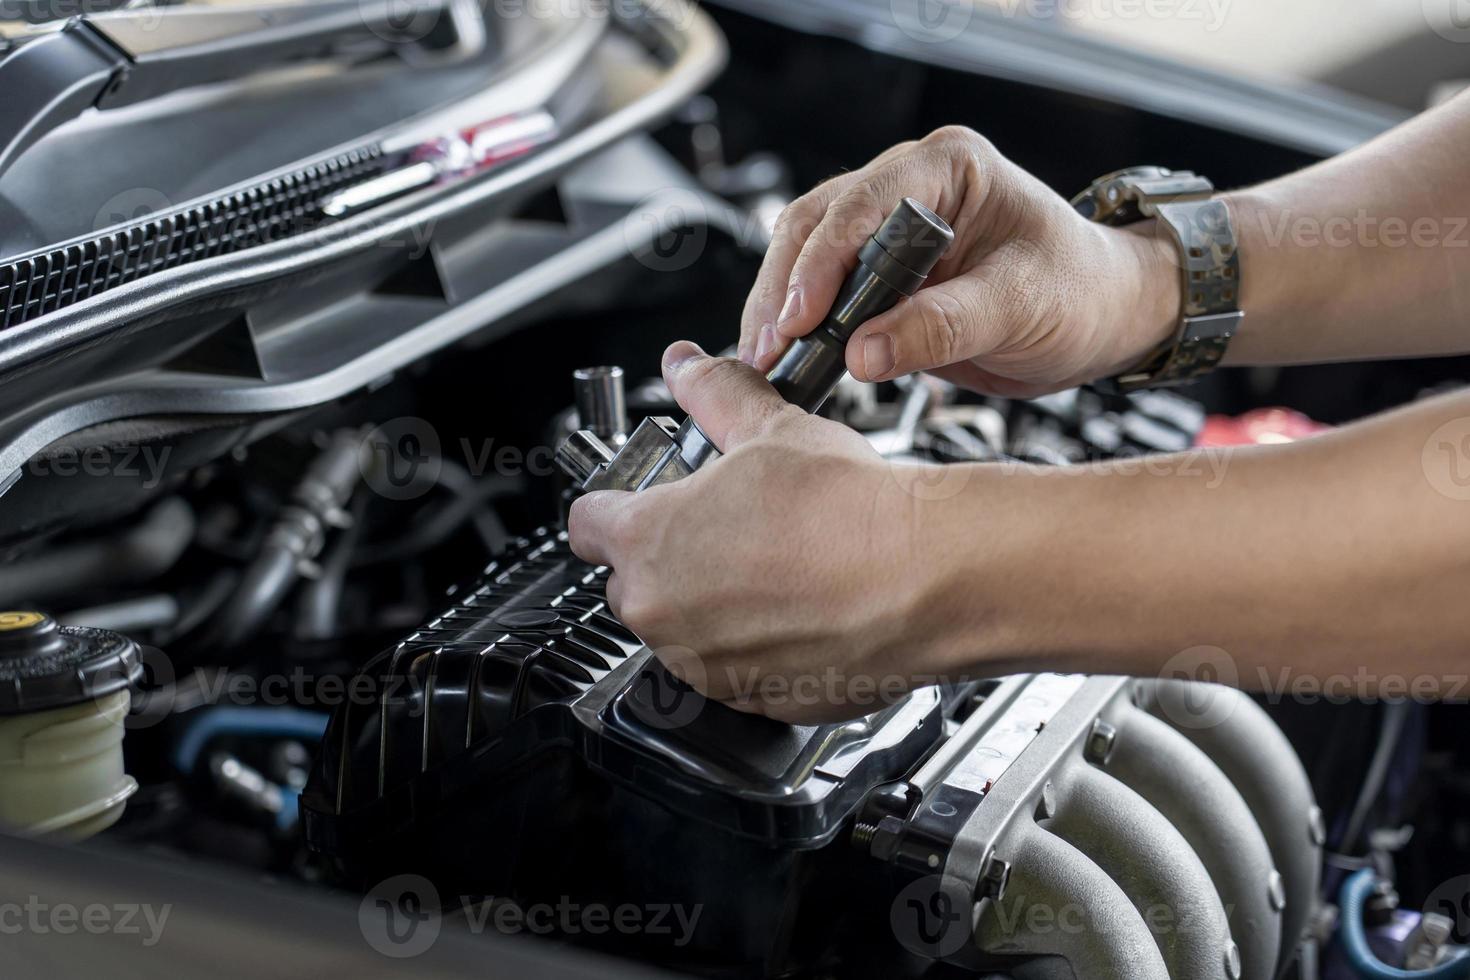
{"x": 525, "y": 744}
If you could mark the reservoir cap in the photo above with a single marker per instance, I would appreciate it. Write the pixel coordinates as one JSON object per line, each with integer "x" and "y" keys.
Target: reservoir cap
{"x": 45, "y": 665}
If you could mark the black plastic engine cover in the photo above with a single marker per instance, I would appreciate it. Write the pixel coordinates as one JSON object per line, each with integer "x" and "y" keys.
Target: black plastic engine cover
{"x": 525, "y": 744}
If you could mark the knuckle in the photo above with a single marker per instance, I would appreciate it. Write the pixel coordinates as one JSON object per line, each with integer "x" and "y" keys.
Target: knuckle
{"x": 766, "y": 462}
{"x": 781, "y": 419}
{"x": 959, "y": 138}
{"x": 620, "y": 531}
{"x": 797, "y": 218}
{"x": 850, "y": 219}
{"x": 945, "y": 328}
{"x": 705, "y": 371}
{"x": 577, "y": 518}
{"x": 640, "y": 613}
{"x": 583, "y": 520}
{"x": 630, "y": 613}
{"x": 768, "y": 293}
{"x": 857, "y": 199}
{"x": 965, "y": 157}
{"x": 726, "y": 371}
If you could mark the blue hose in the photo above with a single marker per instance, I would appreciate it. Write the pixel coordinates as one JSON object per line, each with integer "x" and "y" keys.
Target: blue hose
{"x": 1354, "y": 938}
{"x": 283, "y": 722}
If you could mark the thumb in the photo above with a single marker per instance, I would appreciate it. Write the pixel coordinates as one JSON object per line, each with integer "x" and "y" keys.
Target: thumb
{"x": 728, "y": 399}
{"x": 599, "y": 525}
{"x": 937, "y": 326}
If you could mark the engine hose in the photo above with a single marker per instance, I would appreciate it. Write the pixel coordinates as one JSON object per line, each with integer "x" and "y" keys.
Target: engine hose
{"x": 1395, "y": 716}
{"x": 139, "y": 554}
{"x": 282, "y": 722}
{"x": 295, "y": 539}
{"x": 1354, "y": 938}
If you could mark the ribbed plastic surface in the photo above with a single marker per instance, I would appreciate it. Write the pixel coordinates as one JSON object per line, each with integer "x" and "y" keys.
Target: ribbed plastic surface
{"x": 270, "y": 211}
{"x": 533, "y": 631}
{"x": 525, "y": 673}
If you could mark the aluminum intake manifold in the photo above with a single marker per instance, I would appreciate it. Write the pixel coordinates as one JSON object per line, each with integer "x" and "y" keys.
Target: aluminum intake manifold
{"x": 1104, "y": 828}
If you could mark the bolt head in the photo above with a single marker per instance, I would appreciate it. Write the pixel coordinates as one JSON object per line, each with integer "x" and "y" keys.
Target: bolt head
{"x": 993, "y": 879}
{"x": 1232, "y": 962}
{"x": 1100, "y": 742}
{"x": 886, "y": 838}
{"x": 1316, "y": 826}
{"x": 1046, "y": 804}
{"x": 1276, "y": 890}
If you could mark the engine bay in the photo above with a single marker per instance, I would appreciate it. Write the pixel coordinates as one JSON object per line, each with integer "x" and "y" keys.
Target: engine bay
{"x": 284, "y": 533}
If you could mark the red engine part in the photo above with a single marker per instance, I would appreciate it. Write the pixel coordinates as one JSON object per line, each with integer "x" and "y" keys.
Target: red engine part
{"x": 1261, "y": 427}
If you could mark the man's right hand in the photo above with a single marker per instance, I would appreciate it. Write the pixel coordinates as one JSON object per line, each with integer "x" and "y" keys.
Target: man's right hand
{"x": 1031, "y": 298}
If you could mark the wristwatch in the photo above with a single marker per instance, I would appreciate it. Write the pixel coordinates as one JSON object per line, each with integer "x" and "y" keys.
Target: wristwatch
{"x": 1209, "y": 260}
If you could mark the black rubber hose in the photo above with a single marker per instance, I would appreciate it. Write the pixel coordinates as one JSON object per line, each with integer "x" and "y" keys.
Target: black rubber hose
{"x": 137, "y": 555}
{"x": 320, "y": 600}
{"x": 1395, "y": 716}
{"x": 470, "y": 501}
{"x": 264, "y": 584}
{"x": 296, "y": 537}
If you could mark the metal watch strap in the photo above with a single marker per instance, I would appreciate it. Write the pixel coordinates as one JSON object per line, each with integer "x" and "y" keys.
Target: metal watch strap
{"x": 1209, "y": 261}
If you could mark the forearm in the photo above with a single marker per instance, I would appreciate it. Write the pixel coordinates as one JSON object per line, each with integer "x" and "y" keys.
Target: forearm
{"x": 1365, "y": 255}
{"x": 1346, "y": 551}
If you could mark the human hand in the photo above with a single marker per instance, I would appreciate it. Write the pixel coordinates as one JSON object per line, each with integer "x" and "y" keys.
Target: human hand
{"x": 796, "y": 567}
{"x": 1031, "y": 297}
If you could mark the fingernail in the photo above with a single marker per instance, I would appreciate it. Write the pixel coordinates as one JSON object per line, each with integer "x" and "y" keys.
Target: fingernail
{"x": 792, "y": 309}
{"x": 878, "y": 355}
{"x": 679, "y": 352}
{"x": 766, "y": 344}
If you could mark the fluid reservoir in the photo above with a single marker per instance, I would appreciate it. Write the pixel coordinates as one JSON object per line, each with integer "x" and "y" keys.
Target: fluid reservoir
{"x": 64, "y": 697}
